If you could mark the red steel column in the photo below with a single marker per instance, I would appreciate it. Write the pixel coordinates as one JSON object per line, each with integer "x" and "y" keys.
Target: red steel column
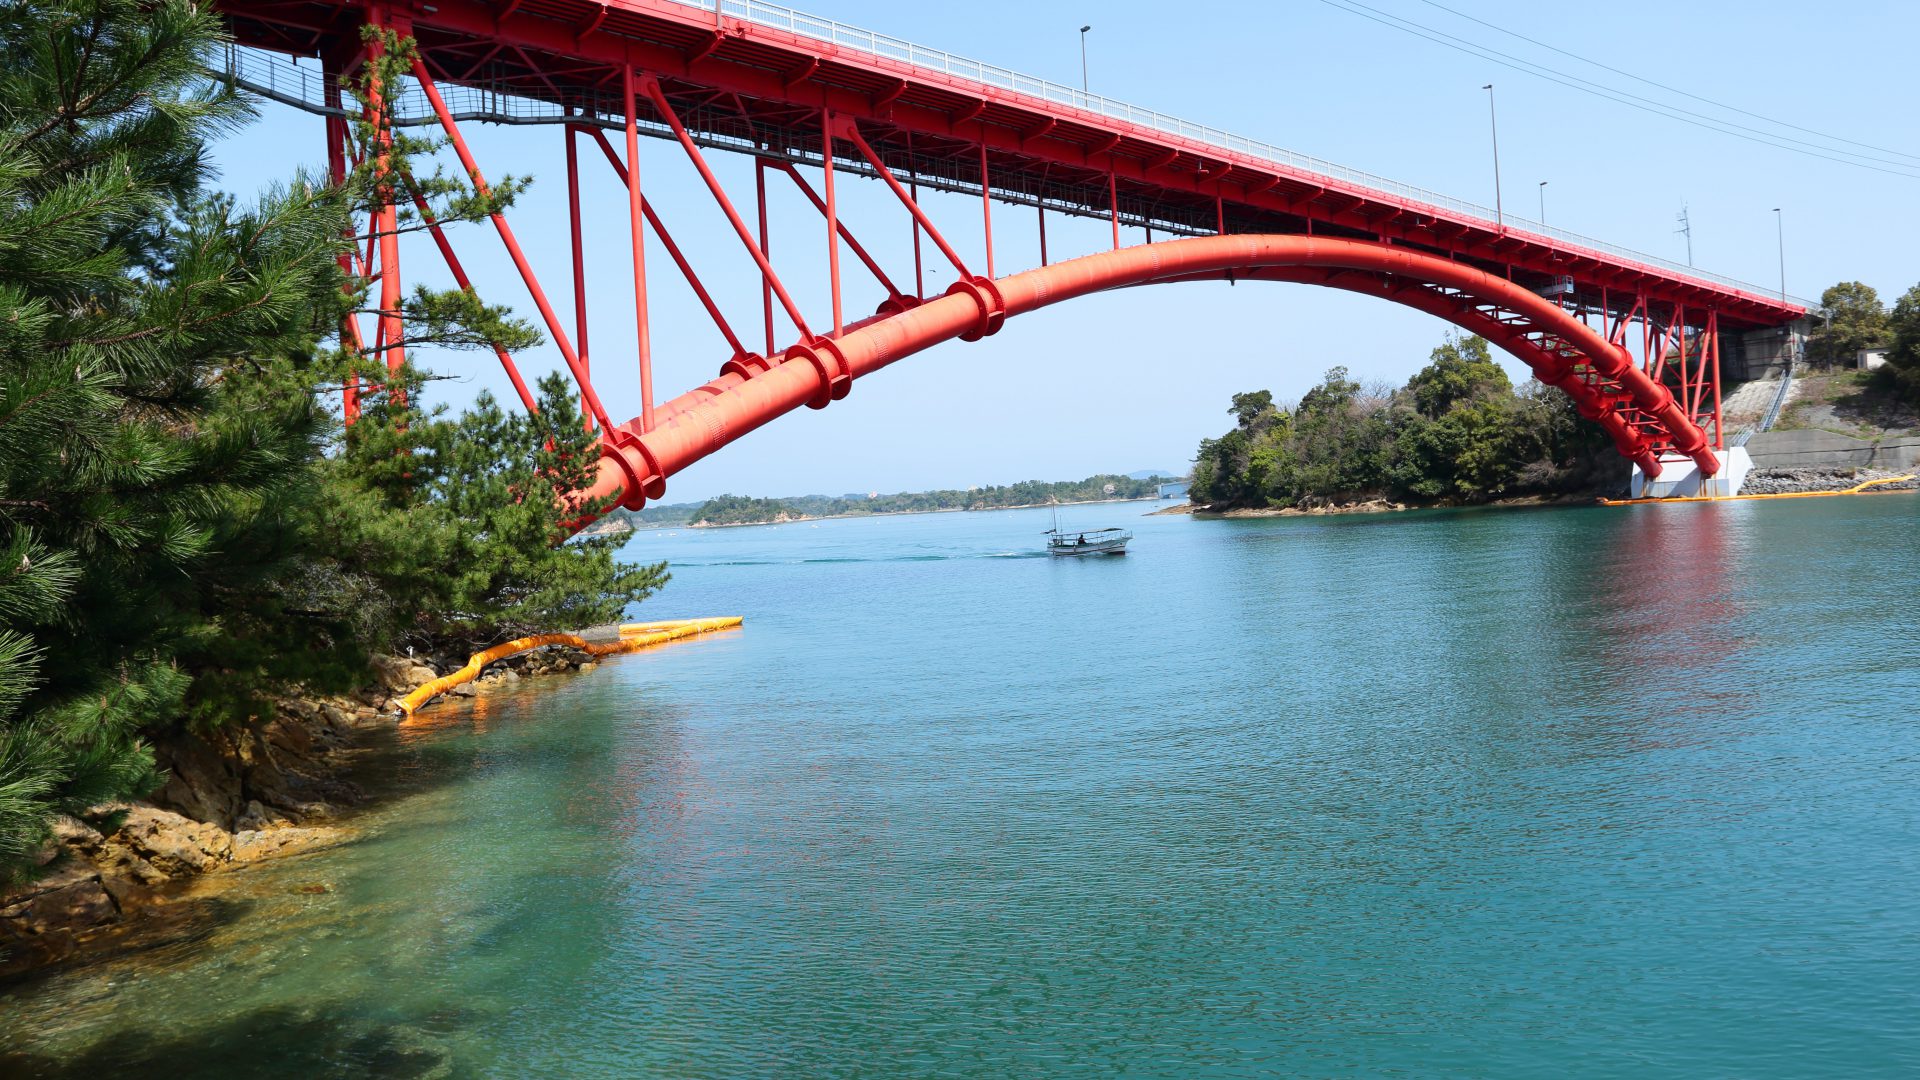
{"x": 634, "y": 216}
{"x": 913, "y": 187}
{"x": 337, "y": 176}
{"x": 579, "y": 261}
{"x": 1713, "y": 338}
{"x": 766, "y": 283}
{"x": 1042, "y": 208}
{"x": 460, "y": 279}
{"x": 447, "y": 124}
{"x": 986, "y": 207}
{"x": 1113, "y": 205}
{"x": 387, "y": 226}
{"x": 833, "y": 217}
{"x": 913, "y": 205}
{"x": 673, "y": 250}
{"x": 699, "y": 160}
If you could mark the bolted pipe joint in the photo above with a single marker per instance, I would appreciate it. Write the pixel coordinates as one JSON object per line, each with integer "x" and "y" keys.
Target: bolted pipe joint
{"x": 746, "y": 365}
{"x": 897, "y": 304}
{"x": 985, "y": 296}
{"x": 836, "y": 374}
{"x": 629, "y": 469}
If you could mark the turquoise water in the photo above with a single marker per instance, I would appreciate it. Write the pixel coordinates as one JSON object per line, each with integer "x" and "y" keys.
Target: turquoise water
{"x": 1609, "y": 792}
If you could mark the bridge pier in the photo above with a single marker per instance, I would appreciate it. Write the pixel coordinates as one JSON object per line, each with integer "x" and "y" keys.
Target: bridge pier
{"x": 1680, "y": 476}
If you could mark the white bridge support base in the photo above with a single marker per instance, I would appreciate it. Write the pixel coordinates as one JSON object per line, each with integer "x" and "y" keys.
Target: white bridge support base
{"x": 1680, "y": 476}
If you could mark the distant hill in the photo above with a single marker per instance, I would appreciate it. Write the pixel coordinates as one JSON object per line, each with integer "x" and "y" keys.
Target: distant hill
{"x": 739, "y": 510}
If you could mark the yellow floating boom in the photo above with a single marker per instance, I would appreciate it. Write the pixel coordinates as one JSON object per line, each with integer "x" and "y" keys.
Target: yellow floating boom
{"x": 633, "y": 637}
{"x": 1857, "y": 489}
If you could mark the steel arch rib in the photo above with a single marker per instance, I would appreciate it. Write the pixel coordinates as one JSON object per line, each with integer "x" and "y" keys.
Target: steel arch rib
{"x": 814, "y": 373}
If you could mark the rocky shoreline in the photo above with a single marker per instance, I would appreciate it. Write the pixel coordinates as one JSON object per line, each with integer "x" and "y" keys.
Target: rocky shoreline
{"x": 1797, "y": 481}
{"x": 124, "y": 876}
{"x": 1368, "y": 506}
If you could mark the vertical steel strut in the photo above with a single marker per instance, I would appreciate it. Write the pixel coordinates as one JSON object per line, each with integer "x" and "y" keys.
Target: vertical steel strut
{"x": 579, "y": 257}
{"x": 673, "y": 251}
{"x": 635, "y": 204}
{"x": 594, "y": 408}
{"x": 720, "y": 196}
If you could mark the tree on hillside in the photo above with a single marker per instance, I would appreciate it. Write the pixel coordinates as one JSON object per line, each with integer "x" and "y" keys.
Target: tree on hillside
{"x": 1856, "y": 320}
{"x": 140, "y": 502}
{"x": 1457, "y": 432}
{"x": 177, "y": 539}
{"x": 1459, "y": 370}
{"x": 453, "y": 530}
{"x": 1903, "y": 356}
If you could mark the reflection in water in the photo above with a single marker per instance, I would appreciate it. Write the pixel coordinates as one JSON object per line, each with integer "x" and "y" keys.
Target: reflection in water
{"x": 1475, "y": 794}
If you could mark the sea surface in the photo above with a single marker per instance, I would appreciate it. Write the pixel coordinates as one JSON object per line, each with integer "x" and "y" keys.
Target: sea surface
{"x": 1624, "y": 792}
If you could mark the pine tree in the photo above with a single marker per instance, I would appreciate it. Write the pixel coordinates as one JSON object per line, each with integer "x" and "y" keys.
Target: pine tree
{"x": 453, "y": 530}
{"x": 179, "y": 539}
{"x": 148, "y": 448}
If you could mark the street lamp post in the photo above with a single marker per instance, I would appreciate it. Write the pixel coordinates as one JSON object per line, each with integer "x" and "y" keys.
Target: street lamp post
{"x": 1543, "y": 202}
{"x": 1493, "y": 121}
{"x": 1780, "y": 232}
{"x": 1083, "y": 58}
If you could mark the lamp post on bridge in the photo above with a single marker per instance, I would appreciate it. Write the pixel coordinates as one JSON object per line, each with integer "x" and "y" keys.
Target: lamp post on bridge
{"x": 1493, "y": 121}
{"x": 1780, "y": 232}
{"x": 1083, "y": 58}
{"x": 1543, "y": 202}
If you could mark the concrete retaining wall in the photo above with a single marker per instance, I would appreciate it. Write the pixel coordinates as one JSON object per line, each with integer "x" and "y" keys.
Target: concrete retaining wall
{"x": 1827, "y": 449}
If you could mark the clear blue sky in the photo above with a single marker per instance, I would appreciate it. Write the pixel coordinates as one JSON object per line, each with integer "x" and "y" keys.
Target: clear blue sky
{"x": 1133, "y": 380}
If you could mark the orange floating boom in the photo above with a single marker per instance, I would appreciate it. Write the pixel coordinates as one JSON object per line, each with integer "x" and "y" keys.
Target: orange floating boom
{"x": 642, "y": 636}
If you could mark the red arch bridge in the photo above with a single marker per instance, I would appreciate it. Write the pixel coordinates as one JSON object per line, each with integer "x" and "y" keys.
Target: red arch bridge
{"x": 1637, "y": 342}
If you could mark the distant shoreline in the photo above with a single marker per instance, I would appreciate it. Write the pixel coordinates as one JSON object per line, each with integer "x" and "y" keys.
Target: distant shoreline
{"x": 789, "y": 520}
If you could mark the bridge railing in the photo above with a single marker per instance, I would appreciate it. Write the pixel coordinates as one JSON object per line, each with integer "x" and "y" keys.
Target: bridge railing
{"x": 282, "y": 79}
{"x": 960, "y": 67}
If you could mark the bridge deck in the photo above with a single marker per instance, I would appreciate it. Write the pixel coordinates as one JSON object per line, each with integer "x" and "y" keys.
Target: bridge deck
{"x": 755, "y": 76}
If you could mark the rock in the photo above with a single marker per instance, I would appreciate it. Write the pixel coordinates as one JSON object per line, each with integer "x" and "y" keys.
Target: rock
{"x": 174, "y": 845}
{"x": 398, "y": 675}
{"x": 588, "y": 666}
{"x": 77, "y": 835}
{"x": 267, "y": 843}
{"x": 68, "y": 899}
{"x": 203, "y": 781}
{"x": 255, "y": 817}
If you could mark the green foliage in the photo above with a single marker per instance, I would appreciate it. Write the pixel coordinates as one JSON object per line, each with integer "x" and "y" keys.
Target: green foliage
{"x": 183, "y": 531}
{"x": 143, "y": 463}
{"x": 1461, "y": 370}
{"x": 452, "y": 529}
{"x": 1457, "y": 432}
{"x": 1856, "y": 320}
{"x": 743, "y": 510}
{"x": 1903, "y": 357}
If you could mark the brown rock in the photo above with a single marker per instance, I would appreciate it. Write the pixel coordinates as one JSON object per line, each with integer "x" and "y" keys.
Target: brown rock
{"x": 203, "y": 781}
{"x": 266, "y": 843}
{"x": 172, "y": 844}
{"x": 399, "y": 674}
{"x": 77, "y": 835}
{"x": 290, "y": 737}
{"x": 69, "y": 898}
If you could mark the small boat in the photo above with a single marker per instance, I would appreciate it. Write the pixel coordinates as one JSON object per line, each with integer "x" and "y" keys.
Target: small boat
{"x": 1094, "y": 542}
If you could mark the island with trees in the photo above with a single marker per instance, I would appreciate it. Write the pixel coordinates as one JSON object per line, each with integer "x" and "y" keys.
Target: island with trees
{"x": 1105, "y": 487}
{"x": 1457, "y": 432}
